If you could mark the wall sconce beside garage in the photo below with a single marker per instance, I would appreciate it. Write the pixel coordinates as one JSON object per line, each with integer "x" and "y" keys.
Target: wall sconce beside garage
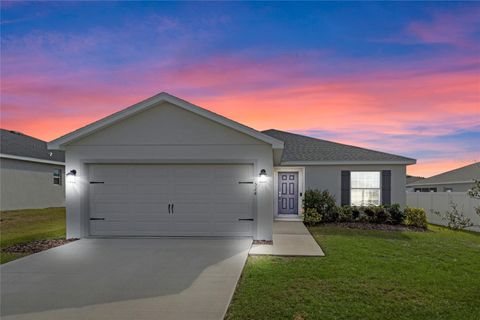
{"x": 71, "y": 176}
{"x": 262, "y": 176}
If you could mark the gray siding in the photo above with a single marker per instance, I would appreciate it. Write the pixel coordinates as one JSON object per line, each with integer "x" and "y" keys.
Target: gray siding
{"x": 456, "y": 187}
{"x": 29, "y": 185}
{"x": 329, "y": 178}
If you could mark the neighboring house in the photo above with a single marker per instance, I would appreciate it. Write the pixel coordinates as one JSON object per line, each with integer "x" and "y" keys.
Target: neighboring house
{"x": 165, "y": 167}
{"x": 30, "y": 175}
{"x": 457, "y": 180}
{"x": 412, "y": 179}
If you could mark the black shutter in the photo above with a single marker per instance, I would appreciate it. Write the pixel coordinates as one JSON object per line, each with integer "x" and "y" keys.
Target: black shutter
{"x": 345, "y": 199}
{"x": 386, "y": 187}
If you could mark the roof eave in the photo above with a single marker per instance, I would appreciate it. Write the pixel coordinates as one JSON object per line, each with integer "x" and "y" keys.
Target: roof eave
{"x": 345, "y": 162}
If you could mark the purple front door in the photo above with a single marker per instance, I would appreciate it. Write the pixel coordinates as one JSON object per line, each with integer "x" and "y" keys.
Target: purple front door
{"x": 288, "y": 193}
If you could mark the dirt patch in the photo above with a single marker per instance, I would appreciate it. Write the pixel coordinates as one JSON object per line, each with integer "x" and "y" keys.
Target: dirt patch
{"x": 37, "y": 246}
{"x": 374, "y": 226}
{"x": 269, "y": 242}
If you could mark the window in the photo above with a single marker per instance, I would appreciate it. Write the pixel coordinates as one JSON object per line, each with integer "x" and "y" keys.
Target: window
{"x": 425, "y": 190}
{"x": 57, "y": 176}
{"x": 445, "y": 189}
{"x": 365, "y": 188}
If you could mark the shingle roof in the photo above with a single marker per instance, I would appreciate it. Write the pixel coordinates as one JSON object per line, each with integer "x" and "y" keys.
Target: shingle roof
{"x": 466, "y": 173}
{"x": 19, "y": 144}
{"x": 304, "y": 149}
{"x": 412, "y": 179}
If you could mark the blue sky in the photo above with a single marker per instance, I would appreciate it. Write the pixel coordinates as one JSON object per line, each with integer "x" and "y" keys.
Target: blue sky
{"x": 402, "y": 77}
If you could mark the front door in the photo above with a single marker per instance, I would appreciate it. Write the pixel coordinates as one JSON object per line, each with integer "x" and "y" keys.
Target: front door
{"x": 288, "y": 192}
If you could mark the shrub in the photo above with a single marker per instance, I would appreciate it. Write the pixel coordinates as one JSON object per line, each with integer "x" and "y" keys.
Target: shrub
{"x": 455, "y": 220}
{"x": 356, "y": 211}
{"x": 370, "y": 213}
{"x": 362, "y": 217}
{"x": 381, "y": 215}
{"x": 415, "y": 217}
{"x": 345, "y": 214}
{"x": 323, "y": 202}
{"x": 396, "y": 214}
{"x": 311, "y": 217}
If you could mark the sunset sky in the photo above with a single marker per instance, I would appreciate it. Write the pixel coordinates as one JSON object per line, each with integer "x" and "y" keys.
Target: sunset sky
{"x": 397, "y": 77}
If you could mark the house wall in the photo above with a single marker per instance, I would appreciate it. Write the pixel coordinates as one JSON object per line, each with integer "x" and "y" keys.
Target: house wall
{"x": 166, "y": 134}
{"x": 456, "y": 187}
{"x": 29, "y": 185}
{"x": 329, "y": 177}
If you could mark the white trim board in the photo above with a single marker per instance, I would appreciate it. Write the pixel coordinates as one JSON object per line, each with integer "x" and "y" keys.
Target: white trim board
{"x": 341, "y": 162}
{"x": 59, "y": 143}
{"x": 440, "y": 183}
{"x": 30, "y": 159}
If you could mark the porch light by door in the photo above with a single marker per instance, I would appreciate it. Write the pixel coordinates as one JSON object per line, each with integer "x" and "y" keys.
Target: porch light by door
{"x": 262, "y": 176}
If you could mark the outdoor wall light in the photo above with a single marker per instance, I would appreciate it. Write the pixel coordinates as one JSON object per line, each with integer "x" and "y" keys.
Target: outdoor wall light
{"x": 263, "y": 175}
{"x": 71, "y": 176}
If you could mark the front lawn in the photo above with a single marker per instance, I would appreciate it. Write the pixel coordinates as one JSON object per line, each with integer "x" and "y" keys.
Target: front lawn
{"x": 23, "y": 226}
{"x": 367, "y": 274}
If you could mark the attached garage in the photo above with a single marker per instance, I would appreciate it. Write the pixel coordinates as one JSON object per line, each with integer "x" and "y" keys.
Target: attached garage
{"x": 165, "y": 167}
{"x": 171, "y": 200}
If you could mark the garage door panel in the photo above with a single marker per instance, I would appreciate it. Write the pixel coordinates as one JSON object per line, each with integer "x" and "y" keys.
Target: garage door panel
{"x": 232, "y": 229}
{"x": 144, "y": 173}
{"x": 193, "y": 228}
{"x": 208, "y": 200}
{"x": 110, "y": 207}
{"x": 110, "y": 198}
{"x": 150, "y": 208}
{"x": 150, "y": 189}
{"x": 158, "y": 199}
{"x": 110, "y": 189}
{"x": 152, "y": 228}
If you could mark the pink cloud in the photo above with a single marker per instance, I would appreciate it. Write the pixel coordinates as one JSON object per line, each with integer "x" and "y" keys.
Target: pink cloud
{"x": 447, "y": 28}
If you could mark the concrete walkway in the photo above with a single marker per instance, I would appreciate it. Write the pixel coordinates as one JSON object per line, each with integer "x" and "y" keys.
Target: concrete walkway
{"x": 142, "y": 279}
{"x": 289, "y": 239}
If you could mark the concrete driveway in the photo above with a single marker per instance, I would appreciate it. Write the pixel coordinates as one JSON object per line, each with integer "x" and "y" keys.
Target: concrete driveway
{"x": 169, "y": 278}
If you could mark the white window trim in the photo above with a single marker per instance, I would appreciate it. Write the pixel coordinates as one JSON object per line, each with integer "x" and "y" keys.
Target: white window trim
{"x": 379, "y": 188}
{"x": 60, "y": 180}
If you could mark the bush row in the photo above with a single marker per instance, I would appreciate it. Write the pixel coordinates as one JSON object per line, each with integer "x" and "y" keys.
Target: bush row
{"x": 320, "y": 207}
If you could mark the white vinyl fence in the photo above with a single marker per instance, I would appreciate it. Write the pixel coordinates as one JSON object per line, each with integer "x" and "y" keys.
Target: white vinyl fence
{"x": 440, "y": 201}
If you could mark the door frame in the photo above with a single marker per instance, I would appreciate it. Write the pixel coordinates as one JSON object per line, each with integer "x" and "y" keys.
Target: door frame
{"x": 301, "y": 189}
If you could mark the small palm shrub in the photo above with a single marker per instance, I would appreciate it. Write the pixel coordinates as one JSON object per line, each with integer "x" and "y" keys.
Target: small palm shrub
{"x": 415, "y": 217}
{"x": 311, "y": 217}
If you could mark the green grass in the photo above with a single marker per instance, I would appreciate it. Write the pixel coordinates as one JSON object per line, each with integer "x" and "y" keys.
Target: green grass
{"x": 367, "y": 274}
{"x": 22, "y": 226}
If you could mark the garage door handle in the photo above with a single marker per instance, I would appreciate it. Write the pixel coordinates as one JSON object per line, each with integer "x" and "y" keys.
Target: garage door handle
{"x": 249, "y": 219}
{"x": 172, "y": 209}
{"x": 97, "y": 218}
{"x": 169, "y": 207}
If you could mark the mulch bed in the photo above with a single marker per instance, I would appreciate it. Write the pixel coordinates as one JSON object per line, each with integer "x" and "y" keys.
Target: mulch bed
{"x": 269, "y": 242}
{"x": 37, "y": 246}
{"x": 374, "y": 226}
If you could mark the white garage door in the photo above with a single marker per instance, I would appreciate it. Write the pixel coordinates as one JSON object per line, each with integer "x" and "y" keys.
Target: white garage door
{"x": 171, "y": 200}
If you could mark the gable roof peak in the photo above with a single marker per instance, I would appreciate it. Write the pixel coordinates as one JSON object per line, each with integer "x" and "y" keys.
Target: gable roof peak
{"x": 61, "y": 142}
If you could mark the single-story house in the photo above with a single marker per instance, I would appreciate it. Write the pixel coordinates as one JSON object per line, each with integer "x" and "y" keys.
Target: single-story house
{"x": 31, "y": 176}
{"x": 457, "y": 180}
{"x": 165, "y": 167}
